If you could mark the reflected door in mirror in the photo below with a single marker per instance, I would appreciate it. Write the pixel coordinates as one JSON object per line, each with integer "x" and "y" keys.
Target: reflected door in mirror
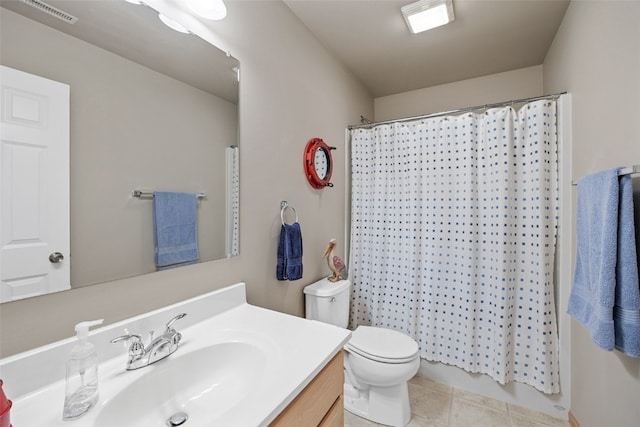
{"x": 34, "y": 194}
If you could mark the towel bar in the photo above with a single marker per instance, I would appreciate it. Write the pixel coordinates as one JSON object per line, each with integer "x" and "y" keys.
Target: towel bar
{"x": 629, "y": 170}
{"x": 149, "y": 195}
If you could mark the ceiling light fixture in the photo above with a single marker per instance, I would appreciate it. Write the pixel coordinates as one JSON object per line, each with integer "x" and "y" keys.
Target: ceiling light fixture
{"x": 172, "y": 24}
{"x": 427, "y": 14}
{"x": 208, "y": 9}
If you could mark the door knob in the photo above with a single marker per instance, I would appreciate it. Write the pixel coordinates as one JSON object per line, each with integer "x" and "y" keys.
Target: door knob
{"x": 56, "y": 257}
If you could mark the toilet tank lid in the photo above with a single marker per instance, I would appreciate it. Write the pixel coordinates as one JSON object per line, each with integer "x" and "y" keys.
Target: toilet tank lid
{"x": 326, "y": 288}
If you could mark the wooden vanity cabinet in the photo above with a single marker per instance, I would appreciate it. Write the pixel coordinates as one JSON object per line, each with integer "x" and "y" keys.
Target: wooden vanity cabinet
{"x": 320, "y": 403}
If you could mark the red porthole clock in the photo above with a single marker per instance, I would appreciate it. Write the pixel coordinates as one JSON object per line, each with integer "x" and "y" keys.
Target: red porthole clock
{"x": 317, "y": 163}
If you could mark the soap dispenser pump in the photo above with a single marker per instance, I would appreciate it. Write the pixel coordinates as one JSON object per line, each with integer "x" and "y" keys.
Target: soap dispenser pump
{"x": 81, "y": 390}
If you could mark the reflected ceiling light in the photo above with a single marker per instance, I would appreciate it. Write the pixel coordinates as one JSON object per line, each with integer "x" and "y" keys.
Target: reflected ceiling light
{"x": 172, "y": 24}
{"x": 427, "y": 14}
{"x": 208, "y": 9}
{"x": 134, "y": 1}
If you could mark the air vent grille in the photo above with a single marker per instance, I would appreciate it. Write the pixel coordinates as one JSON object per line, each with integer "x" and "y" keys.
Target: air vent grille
{"x": 50, "y": 10}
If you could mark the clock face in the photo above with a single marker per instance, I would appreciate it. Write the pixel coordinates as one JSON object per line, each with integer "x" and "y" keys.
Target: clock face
{"x": 318, "y": 163}
{"x": 321, "y": 162}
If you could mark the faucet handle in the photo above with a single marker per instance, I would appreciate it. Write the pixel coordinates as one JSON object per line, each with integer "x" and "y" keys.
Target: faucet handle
{"x": 172, "y": 321}
{"x": 176, "y": 338}
{"x": 136, "y": 345}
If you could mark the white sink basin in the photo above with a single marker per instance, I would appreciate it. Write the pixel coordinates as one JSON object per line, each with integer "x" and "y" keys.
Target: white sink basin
{"x": 203, "y": 384}
{"x": 237, "y": 366}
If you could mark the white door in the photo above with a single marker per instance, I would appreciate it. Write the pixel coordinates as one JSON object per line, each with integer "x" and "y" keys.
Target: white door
{"x": 34, "y": 186}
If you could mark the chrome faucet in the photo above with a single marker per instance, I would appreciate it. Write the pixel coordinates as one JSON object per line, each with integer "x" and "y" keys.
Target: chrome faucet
{"x": 159, "y": 348}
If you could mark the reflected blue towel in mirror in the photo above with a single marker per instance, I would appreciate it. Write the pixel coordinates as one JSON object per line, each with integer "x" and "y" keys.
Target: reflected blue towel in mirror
{"x": 174, "y": 221}
{"x": 289, "y": 266}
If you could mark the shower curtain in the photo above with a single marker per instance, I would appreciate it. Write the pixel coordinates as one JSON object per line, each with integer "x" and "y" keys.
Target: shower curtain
{"x": 453, "y": 231}
{"x": 232, "y": 202}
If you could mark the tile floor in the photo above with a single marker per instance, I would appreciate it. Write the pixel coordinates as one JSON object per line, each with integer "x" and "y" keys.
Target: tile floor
{"x": 439, "y": 405}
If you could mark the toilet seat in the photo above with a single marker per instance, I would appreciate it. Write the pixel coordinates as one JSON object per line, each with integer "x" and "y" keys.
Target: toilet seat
{"x": 382, "y": 345}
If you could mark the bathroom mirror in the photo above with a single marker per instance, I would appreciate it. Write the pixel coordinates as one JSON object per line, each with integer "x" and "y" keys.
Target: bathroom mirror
{"x": 151, "y": 109}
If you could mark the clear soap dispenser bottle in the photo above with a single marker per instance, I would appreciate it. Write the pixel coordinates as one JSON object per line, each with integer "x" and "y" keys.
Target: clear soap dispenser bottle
{"x": 81, "y": 390}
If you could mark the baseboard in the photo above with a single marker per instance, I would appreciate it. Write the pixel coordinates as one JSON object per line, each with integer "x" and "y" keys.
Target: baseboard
{"x": 572, "y": 420}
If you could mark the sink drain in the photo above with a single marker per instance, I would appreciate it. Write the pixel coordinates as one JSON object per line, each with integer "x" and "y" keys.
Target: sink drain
{"x": 177, "y": 419}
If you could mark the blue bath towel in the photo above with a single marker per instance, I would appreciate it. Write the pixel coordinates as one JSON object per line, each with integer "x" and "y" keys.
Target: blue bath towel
{"x": 289, "y": 265}
{"x": 594, "y": 280}
{"x": 174, "y": 220}
{"x": 626, "y": 312}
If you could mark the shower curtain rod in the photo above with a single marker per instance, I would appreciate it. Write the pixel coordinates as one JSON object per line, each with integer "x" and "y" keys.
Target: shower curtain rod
{"x": 458, "y": 111}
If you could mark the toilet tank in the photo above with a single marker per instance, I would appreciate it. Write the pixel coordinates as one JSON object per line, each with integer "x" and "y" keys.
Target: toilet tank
{"x": 328, "y": 302}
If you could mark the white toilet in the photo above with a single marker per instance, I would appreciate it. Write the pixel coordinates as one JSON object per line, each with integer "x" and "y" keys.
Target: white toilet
{"x": 378, "y": 362}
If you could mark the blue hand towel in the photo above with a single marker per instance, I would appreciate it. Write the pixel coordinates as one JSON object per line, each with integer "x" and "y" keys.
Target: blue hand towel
{"x": 289, "y": 266}
{"x": 174, "y": 220}
{"x": 594, "y": 280}
{"x": 626, "y": 312}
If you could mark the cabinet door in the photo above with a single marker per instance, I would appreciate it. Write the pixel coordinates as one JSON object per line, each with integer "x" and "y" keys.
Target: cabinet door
{"x": 335, "y": 416}
{"x": 313, "y": 403}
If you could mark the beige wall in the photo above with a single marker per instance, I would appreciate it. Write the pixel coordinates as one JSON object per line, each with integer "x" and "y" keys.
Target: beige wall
{"x": 517, "y": 84}
{"x": 291, "y": 90}
{"x": 596, "y": 57}
{"x": 121, "y": 140}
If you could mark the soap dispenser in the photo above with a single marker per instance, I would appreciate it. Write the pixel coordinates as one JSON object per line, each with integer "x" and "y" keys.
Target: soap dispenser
{"x": 81, "y": 390}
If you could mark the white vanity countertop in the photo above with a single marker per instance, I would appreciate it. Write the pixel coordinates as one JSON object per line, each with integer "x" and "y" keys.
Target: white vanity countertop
{"x": 294, "y": 351}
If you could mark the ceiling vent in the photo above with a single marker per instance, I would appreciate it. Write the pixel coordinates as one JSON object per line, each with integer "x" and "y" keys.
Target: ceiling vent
{"x": 50, "y": 10}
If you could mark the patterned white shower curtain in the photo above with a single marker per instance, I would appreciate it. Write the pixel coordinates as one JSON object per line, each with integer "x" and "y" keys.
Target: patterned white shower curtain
{"x": 232, "y": 201}
{"x": 453, "y": 236}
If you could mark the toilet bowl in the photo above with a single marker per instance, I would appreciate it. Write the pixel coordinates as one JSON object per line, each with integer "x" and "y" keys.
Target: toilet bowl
{"x": 378, "y": 362}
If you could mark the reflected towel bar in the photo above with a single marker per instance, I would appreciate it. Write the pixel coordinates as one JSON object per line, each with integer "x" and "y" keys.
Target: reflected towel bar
{"x": 629, "y": 170}
{"x": 149, "y": 195}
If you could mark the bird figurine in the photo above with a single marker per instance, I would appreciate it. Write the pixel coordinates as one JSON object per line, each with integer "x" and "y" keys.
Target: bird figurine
{"x": 335, "y": 263}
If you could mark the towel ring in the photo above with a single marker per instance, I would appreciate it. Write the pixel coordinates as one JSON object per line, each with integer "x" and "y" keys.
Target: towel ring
{"x": 283, "y": 206}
